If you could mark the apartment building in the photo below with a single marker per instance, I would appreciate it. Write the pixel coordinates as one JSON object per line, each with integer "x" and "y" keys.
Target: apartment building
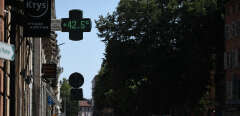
{"x": 23, "y": 89}
{"x": 232, "y": 58}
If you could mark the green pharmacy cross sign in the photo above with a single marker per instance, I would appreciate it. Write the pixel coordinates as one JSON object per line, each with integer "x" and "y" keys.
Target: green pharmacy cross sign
{"x": 76, "y": 25}
{"x": 83, "y": 25}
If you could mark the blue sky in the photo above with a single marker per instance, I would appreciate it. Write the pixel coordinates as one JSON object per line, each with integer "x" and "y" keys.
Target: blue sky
{"x": 83, "y": 56}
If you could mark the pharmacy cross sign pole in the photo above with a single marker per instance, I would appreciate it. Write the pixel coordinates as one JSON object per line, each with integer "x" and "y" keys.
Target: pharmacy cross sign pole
{"x": 76, "y": 25}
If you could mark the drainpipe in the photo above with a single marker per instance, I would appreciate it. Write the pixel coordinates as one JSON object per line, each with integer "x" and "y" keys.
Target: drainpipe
{"x": 12, "y": 66}
{"x": 1, "y": 39}
{"x": 36, "y": 76}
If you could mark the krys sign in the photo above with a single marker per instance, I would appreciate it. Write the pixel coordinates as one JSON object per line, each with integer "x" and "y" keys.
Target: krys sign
{"x": 38, "y": 8}
{"x": 38, "y": 18}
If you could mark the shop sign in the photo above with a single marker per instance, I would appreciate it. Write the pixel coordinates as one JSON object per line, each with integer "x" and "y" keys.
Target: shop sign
{"x": 49, "y": 71}
{"x": 7, "y": 51}
{"x": 38, "y": 18}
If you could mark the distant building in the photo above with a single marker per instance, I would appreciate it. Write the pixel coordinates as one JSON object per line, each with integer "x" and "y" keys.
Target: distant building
{"x": 93, "y": 86}
{"x": 85, "y": 108}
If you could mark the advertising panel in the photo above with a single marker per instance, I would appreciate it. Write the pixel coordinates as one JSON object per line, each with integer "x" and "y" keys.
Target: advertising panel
{"x": 38, "y": 18}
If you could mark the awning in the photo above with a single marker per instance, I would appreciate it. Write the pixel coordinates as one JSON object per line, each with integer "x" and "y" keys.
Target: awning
{"x": 52, "y": 98}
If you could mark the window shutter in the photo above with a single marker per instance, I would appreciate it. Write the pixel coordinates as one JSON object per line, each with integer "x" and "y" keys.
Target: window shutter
{"x": 228, "y": 60}
{"x": 238, "y": 26}
{"x": 236, "y": 58}
{"x": 232, "y": 58}
{"x": 239, "y": 89}
{"x": 225, "y": 60}
{"x": 234, "y": 86}
{"x": 226, "y": 32}
{"x": 231, "y": 31}
{"x": 234, "y": 29}
{"x": 229, "y": 90}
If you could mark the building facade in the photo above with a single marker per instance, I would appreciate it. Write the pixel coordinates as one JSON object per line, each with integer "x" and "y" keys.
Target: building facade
{"x": 23, "y": 89}
{"x": 85, "y": 108}
{"x": 232, "y": 58}
{"x": 1, "y": 61}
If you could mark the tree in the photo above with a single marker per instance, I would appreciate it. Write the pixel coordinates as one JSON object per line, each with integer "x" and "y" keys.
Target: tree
{"x": 157, "y": 50}
{"x": 70, "y": 108}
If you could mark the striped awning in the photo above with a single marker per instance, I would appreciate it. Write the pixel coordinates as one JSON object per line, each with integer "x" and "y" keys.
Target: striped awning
{"x": 52, "y": 98}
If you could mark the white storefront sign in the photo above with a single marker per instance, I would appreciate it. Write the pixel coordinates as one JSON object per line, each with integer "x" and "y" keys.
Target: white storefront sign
{"x": 7, "y": 51}
{"x": 56, "y": 25}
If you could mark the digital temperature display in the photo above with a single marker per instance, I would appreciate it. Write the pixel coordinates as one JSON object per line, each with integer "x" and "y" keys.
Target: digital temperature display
{"x": 82, "y": 25}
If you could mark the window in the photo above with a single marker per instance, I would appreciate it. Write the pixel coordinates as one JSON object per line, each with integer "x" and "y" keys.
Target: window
{"x": 228, "y": 59}
{"x": 225, "y": 60}
{"x": 238, "y": 28}
{"x": 238, "y": 7}
{"x": 235, "y": 87}
{"x": 233, "y": 9}
{"x": 238, "y": 95}
{"x": 232, "y": 58}
{"x": 227, "y": 36}
{"x": 232, "y": 30}
{"x": 229, "y": 89}
{"x": 236, "y": 57}
{"x": 228, "y": 11}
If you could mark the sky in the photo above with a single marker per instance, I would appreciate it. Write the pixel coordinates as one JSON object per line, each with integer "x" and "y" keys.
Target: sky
{"x": 83, "y": 56}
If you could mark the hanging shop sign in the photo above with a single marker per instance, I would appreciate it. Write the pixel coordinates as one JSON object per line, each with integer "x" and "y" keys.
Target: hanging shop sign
{"x": 49, "y": 71}
{"x": 7, "y": 51}
{"x": 38, "y": 18}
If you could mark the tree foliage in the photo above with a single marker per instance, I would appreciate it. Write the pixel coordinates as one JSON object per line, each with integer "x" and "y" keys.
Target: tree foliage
{"x": 72, "y": 107}
{"x": 158, "y": 54}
